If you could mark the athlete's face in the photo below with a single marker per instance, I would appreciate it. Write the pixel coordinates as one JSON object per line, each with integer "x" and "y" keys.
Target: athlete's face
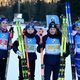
{"x": 4, "y": 24}
{"x": 30, "y": 30}
{"x": 52, "y": 31}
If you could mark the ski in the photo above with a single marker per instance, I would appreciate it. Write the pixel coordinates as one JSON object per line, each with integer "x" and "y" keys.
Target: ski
{"x": 40, "y": 32}
{"x": 27, "y": 58}
{"x": 23, "y": 69}
{"x": 63, "y": 49}
{"x": 70, "y": 38}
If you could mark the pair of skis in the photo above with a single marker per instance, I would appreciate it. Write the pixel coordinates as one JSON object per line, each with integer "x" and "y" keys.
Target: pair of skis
{"x": 67, "y": 25}
{"x": 63, "y": 49}
{"x": 23, "y": 62}
{"x": 70, "y": 38}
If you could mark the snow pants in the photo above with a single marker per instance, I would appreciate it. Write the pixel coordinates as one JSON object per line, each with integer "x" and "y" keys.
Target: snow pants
{"x": 49, "y": 69}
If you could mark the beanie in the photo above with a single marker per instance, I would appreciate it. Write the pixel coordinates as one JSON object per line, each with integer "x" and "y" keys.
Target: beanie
{"x": 3, "y": 19}
{"x": 52, "y": 25}
{"x": 30, "y": 26}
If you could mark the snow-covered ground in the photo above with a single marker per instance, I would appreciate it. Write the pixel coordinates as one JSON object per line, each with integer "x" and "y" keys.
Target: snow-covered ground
{"x": 13, "y": 66}
{"x": 13, "y": 70}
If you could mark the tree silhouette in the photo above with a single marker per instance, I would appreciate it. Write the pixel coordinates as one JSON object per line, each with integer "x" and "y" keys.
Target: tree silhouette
{"x": 75, "y": 6}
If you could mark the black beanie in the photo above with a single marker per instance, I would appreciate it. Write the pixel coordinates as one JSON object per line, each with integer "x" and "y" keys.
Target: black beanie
{"x": 52, "y": 25}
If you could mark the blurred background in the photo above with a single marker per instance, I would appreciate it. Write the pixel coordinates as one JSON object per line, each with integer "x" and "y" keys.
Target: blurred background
{"x": 37, "y": 9}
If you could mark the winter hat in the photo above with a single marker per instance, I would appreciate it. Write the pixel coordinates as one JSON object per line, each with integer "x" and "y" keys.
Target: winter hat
{"x": 3, "y": 19}
{"x": 30, "y": 26}
{"x": 52, "y": 25}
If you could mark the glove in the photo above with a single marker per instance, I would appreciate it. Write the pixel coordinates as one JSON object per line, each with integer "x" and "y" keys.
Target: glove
{"x": 19, "y": 57}
{"x": 65, "y": 54}
{"x": 19, "y": 53}
{"x": 11, "y": 29}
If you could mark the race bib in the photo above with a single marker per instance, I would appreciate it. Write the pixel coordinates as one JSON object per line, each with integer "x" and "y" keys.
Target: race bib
{"x": 53, "y": 47}
{"x": 31, "y": 48}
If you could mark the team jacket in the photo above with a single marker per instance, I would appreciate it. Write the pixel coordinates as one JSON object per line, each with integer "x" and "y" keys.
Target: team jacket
{"x": 77, "y": 44}
{"x": 32, "y": 41}
{"x": 4, "y": 43}
{"x": 52, "y": 44}
{"x": 77, "y": 50}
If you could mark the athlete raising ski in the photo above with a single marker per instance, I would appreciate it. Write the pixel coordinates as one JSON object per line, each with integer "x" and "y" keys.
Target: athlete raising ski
{"x": 31, "y": 42}
{"x": 52, "y": 43}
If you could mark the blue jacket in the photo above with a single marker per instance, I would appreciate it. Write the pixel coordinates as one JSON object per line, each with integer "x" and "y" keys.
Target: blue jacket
{"x": 4, "y": 43}
{"x": 51, "y": 59}
{"x": 32, "y": 55}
